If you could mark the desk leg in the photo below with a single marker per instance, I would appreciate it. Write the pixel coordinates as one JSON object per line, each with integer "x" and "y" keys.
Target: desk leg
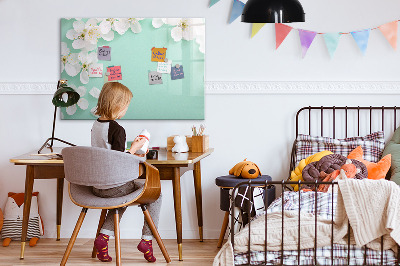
{"x": 176, "y": 182}
{"x": 60, "y": 190}
{"x": 27, "y": 206}
{"x": 199, "y": 204}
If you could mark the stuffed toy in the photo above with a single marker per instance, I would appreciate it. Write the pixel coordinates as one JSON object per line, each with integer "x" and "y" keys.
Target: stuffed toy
{"x": 245, "y": 169}
{"x": 296, "y": 174}
{"x": 13, "y": 215}
{"x": 375, "y": 170}
{"x": 348, "y": 170}
{"x": 328, "y": 164}
{"x": 180, "y": 144}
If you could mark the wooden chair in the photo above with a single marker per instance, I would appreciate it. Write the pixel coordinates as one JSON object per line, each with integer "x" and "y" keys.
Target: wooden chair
{"x": 85, "y": 167}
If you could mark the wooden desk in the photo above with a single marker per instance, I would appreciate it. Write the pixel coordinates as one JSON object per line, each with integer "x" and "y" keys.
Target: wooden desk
{"x": 168, "y": 164}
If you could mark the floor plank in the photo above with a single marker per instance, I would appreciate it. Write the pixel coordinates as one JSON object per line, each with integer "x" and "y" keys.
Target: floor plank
{"x": 50, "y": 252}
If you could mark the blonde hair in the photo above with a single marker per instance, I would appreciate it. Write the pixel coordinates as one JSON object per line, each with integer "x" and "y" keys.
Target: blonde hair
{"x": 113, "y": 97}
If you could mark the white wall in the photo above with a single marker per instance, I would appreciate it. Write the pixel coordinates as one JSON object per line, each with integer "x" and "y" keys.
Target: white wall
{"x": 259, "y": 127}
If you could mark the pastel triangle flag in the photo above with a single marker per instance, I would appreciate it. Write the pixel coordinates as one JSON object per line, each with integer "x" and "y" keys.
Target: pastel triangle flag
{"x": 281, "y": 31}
{"x": 306, "y": 39}
{"x": 237, "y": 9}
{"x": 332, "y": 41}
{"x": 389, "y": 30}
{"x": 213, "y": 2}
{"x": 361, "y": 37}
{"x": 256, "y": 28}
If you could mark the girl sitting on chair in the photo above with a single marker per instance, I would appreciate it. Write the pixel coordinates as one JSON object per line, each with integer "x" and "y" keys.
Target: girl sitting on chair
{"x": 106, "y": 133}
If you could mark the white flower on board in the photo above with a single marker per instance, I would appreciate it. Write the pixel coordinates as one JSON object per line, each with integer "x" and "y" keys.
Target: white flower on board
{"x": 95, "y": 92}
{"x": 109, "y": 25}
{"x": 86, "y": 59}
{"x": 69, "y": 61}
{"x": 134, "y": 24}
{"x": 158, "y": 22}
{"x": 84, "y": 35}
{"x": 185, "y": 28}
{"x": 82, "y": 102}
{"x": 200, "y": 33}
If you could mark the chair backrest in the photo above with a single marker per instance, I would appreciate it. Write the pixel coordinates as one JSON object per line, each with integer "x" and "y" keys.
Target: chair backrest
{"x": 92, "y": 166}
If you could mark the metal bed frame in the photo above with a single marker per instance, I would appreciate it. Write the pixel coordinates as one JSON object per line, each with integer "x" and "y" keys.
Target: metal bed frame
{"x": 284, "y": 183}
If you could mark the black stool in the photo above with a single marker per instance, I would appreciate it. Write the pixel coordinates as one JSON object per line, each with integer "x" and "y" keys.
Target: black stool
{"x": 226, "y": 183}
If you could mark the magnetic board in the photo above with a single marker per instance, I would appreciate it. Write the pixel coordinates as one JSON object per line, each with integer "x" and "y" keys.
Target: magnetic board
{"x": 130, "y": 51}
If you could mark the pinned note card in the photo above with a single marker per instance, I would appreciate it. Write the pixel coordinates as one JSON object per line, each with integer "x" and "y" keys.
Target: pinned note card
{"x": 177, "y": 72}
{"x": 115, "y": 73}
{"x": 158, "y": 54}
{"x": 164, "y": 67}
{"x": 104, "y": 53}
{"x": 155, "y": 78}
{"x": 96, "y": 70}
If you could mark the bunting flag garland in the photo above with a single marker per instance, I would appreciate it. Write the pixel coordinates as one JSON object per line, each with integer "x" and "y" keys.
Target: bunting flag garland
{"x": 332, "y": 41}
{"x": 389, "y": 30}
{"x": 213, "y": 2}
{"x": 237, "y": 9}
{"x": 281, "y": 31}
{"x": 306, "y": 39}
{"x": 256, "y": 27}
{"x": 361, "y": 37}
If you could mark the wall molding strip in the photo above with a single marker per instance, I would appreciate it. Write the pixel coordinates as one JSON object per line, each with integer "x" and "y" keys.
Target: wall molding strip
{"x": 251, "y": 87}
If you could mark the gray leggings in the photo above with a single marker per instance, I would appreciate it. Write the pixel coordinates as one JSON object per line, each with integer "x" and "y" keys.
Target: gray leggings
{"x": 154, "y": 208}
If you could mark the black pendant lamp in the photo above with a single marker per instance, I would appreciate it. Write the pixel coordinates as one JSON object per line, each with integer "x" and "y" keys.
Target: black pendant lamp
{"x": 63, "y": 97}
{"x": 273, "y": 11}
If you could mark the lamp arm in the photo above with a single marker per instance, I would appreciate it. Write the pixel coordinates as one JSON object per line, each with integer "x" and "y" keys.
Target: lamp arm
{"x": 54, "y": 126}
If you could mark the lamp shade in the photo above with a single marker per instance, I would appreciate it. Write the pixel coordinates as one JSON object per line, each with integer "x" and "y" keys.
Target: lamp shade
{"x": 65, "y": 96}
{"x": 273, "y": 11}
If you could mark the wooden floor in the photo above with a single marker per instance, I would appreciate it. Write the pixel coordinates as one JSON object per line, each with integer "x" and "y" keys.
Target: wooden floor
{"x": 50, "y": 252}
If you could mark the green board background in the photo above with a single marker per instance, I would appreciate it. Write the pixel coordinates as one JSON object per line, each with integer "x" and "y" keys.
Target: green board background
{"x": 174, "y": 99}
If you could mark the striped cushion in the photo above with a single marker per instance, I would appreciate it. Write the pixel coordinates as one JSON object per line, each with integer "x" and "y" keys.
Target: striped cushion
{"x": 13, "y": 228}
{"x": 372, "y": 145}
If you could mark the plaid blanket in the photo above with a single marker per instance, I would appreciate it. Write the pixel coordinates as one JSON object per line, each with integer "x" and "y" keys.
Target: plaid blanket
{"x": 323, "y": 205}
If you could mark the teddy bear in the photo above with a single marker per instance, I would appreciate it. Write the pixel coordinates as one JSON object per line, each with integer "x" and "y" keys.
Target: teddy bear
{"x": 13, "y": 215}
{"x": 245, "y": 169}
{"x": 180, "y": 144}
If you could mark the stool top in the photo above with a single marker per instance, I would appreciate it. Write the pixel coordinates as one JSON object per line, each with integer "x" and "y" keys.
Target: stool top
{"x": 230, "y": 181}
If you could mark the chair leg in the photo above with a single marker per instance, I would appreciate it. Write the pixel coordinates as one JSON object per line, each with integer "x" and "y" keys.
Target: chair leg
{"x": 101, "y": 222}
{"x": 117, "y": 239}
{"x": 154, "y": 230}
{"x": 73, "y": 237}
{"x": 223, "y": 229}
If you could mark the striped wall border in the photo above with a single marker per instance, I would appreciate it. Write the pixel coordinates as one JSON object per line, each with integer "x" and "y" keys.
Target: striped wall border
{"x": 251, "y": 87}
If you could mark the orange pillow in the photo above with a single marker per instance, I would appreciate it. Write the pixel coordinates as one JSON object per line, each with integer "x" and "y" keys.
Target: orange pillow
{"x": 375, "y": 170}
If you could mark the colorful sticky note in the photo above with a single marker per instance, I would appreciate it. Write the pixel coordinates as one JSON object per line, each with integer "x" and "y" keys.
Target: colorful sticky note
{"x": 158, "y": 54}
{"x": 96, "y": 70}
{"x": 164, "y": 67}
{"x": 177, "y": 73}
{"x": 115, "y": 73}
{"x": 104, "y": 53}
{"x": 155, "y": 78}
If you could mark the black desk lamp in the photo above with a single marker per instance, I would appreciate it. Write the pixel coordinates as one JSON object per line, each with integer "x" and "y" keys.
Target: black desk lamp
{"x": 273, "y": 11}
{"x": 64, "y": 96}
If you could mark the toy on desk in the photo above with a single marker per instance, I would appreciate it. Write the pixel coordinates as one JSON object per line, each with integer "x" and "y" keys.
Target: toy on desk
{"x": 245, "y": 169}
{"x": 13, "y": 216}
{"x": 180, "y": 144}
{"x": 144, "y": 134}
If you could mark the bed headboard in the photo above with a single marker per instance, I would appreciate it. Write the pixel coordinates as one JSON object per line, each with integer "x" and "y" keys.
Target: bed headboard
{"x": 344, "y": 121}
